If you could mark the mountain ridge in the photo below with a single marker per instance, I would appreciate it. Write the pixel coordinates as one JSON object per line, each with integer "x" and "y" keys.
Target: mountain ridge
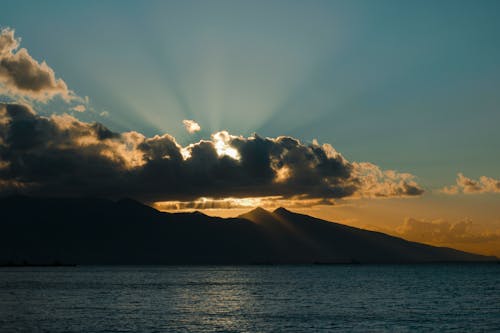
{"x": 102, "y": 231}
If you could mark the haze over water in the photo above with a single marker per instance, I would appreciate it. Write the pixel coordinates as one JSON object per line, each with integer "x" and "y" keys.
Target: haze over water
{"x": 450, "y": 297}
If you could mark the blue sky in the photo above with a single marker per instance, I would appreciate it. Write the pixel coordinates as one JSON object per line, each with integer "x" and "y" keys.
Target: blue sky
{"x": 412, "y": 86}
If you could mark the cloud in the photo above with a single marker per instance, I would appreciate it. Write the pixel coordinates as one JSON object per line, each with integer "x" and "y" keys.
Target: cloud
{"x": 470, "y": 186}
{"x": 375, "y": 182}
{"x": 21, "y": 75}
{"x": 191, "y": 126}
{"x": 444, "y": 232}
{"x": 79, "y": 108}
{"x": 60, "y": 155}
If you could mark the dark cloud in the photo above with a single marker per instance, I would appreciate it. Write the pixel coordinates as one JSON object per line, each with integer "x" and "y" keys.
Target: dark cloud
{"x": 60, "y": 155}
{"x": 21, "y": 75}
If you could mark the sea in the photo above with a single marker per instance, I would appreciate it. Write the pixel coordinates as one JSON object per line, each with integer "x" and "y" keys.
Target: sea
{"x": 309, "y": 298}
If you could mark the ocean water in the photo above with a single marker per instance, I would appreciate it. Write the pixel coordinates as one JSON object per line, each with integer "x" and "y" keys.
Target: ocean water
{"x": 447, "y": 297}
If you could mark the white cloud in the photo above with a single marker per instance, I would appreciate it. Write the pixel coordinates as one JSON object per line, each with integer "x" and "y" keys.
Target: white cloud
{"x": 79, "y": 108}
{"x": 378, "y": 183}
{"x": 191, "y": 126}
{"x": 471, "y": 186}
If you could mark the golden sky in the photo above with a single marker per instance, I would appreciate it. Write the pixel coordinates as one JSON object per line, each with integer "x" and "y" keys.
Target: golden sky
{"x": 465, "y": 222}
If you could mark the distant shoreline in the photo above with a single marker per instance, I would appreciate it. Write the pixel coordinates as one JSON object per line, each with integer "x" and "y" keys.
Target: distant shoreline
{"x": 8, "y": 265}
{"x": 255, "y": 264}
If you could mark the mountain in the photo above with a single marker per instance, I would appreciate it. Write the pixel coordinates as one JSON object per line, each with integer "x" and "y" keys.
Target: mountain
{"x": 101, "y": 231}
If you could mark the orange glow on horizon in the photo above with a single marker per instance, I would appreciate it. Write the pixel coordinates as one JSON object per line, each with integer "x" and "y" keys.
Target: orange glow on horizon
{"x": 469, "y": 227}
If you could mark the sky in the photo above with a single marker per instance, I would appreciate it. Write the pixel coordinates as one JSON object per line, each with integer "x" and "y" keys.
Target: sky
{"x": 411, "y": 88}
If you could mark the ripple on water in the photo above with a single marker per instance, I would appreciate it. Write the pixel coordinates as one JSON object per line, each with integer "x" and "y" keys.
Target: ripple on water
{"x": 251, "y": 298}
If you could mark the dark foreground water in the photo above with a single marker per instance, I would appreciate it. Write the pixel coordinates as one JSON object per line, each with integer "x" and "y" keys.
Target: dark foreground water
{"x": 251, "y": 299}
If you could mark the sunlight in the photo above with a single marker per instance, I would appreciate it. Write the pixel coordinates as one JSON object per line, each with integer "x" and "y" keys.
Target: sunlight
{"x": 221, "y": 140}
{"x": 212, "y": 203}
{"x": 186, "y": 153}
{"x": 282, "y": 174}
{"x": 234, "y": 203}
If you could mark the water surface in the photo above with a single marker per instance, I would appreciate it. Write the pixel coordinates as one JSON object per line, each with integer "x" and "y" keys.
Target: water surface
{"x": 447, "y": 297}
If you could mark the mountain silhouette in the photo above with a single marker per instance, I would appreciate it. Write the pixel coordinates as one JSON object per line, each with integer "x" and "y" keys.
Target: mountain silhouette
{"x": 101, "y": 231}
